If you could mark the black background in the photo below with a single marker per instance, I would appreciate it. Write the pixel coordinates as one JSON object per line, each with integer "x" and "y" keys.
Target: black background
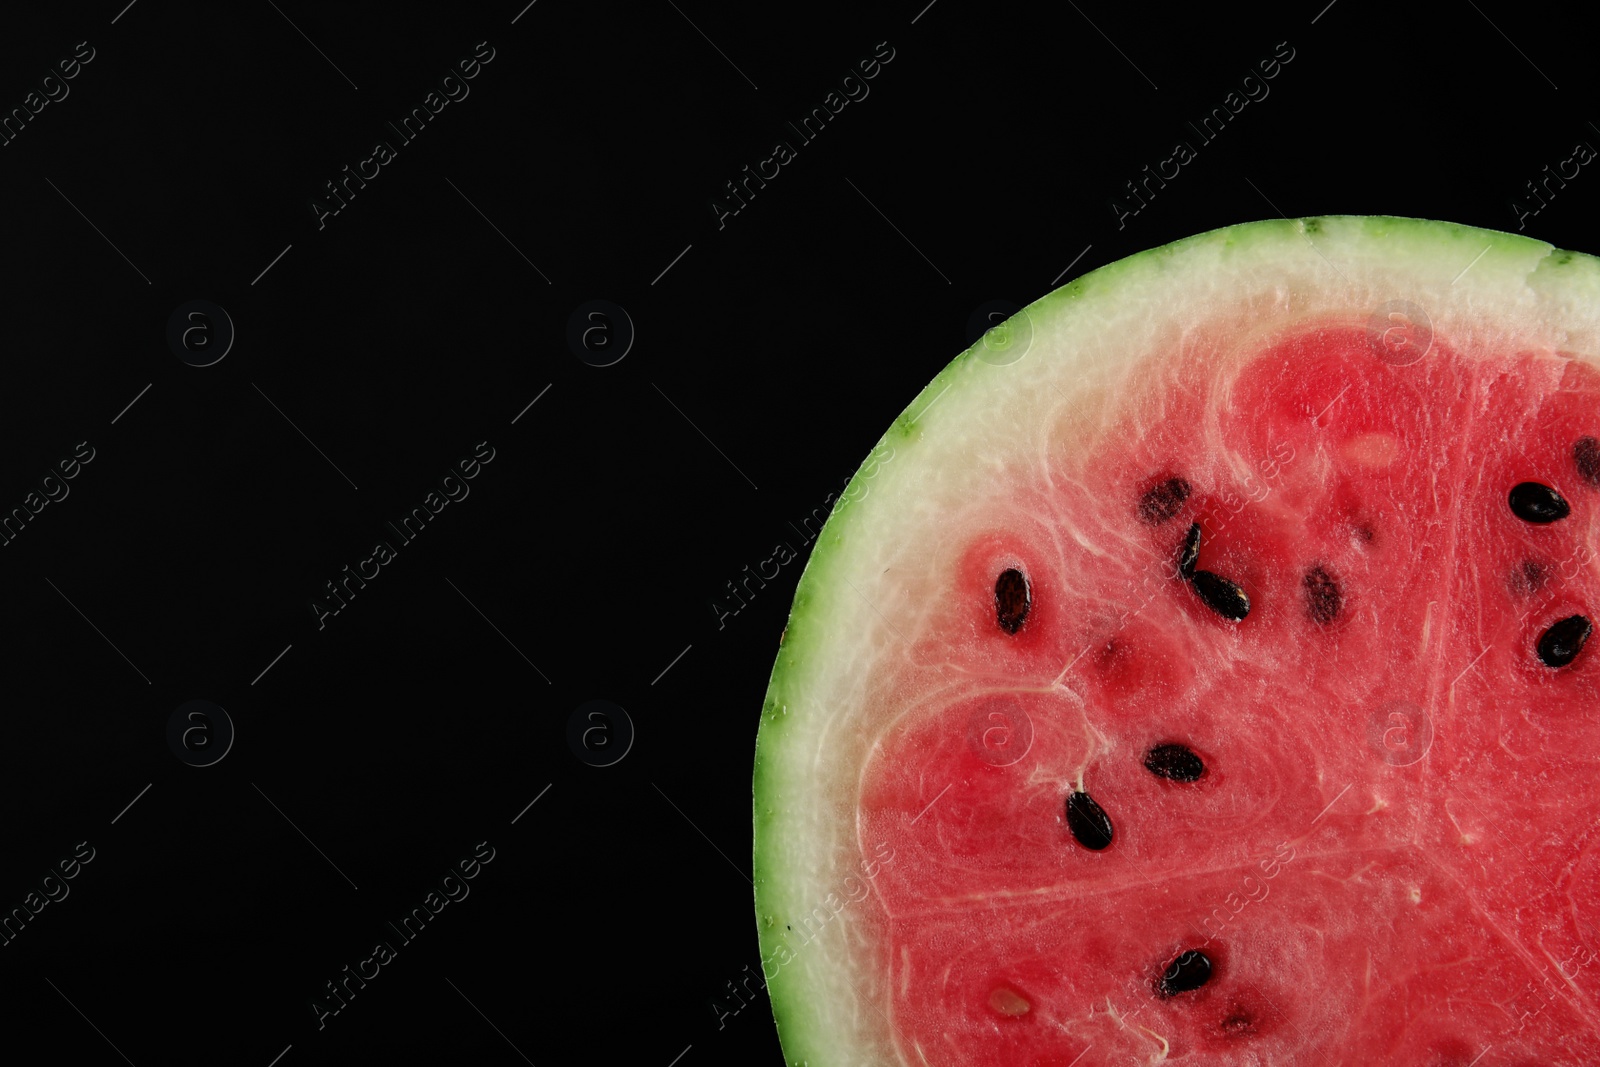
{"x": 771, "y": 352}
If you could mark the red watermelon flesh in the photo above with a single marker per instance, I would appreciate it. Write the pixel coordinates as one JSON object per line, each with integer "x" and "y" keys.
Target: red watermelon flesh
{"x": 1324, "y": 793}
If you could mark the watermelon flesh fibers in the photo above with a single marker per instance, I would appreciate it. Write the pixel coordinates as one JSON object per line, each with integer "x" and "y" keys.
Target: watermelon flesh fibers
{"x": 1219, "y": 696}
{"x": 1379, "y": 841}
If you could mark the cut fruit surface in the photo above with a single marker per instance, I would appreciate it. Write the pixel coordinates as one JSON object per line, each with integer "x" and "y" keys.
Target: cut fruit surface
{"x": 1212, "y": 682}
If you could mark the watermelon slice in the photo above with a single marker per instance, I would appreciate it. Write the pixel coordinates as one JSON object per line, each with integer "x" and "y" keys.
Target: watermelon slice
{"x": 1206, "y": 676}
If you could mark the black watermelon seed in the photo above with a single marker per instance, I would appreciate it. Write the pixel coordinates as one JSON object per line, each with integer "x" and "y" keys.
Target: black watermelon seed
{"x": 1534, "y": 502}
{"x": 1088, "y": 822}
{"x": 1188, "y": 970}
{"x": 1174, "y": 761}
{"x": 1221, "y": 596}
{"x": 1562, "y": 642}
{"x": 1162, "y": 501}
{"x": 1586, "y": 454}
{"x": 1189, "y": 554}
{"x": 1323, "y": 599}
{"x": 1012, "y": 599}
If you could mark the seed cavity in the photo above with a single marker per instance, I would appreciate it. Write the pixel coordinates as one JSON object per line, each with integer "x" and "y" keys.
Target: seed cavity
{"x": 1188, "y": 971}
{"x": 1238, "y": 1024}
{"x": 1012, "y": 599}
{"x": 1586, "y": 454}
{"x": 1189, "y": 554}
{"x": 1529, "y": 576}
{"x": 1323, "y": 598}
{"x": 1163, "y": 501}
{"x": 1175, "y": 762}
{"x": 1561, "y": 643}
{"x": 1221, "y": 596}
{"x": 1537, "y": 503}
{"x": 1007, "y": 1002}
{"x": 1088, "y": 822}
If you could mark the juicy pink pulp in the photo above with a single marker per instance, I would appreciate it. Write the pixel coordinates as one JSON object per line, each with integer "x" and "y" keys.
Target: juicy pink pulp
{"x": 1391, "y": 856}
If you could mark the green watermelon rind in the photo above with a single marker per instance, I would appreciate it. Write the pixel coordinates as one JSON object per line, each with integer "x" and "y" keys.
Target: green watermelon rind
{"x": 810, "y": 1015}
